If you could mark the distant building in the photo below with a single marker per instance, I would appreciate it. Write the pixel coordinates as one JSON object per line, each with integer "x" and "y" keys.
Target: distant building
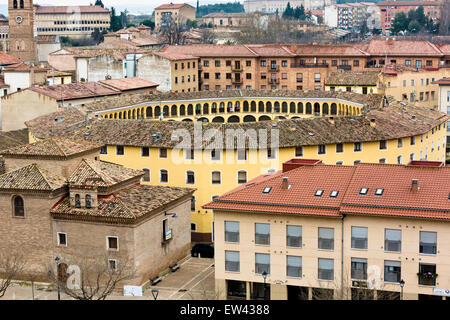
{"x": 390, "y": 8}
{"x": 179, "y": 13}
{"x": 272, "y": 6}
{"x": 444, "y": 98}
{"x": 22, "y": 33}
{"x": 76, "y": 21}
{"x": 365, "y": 82}
{"x": 352, "y": 16}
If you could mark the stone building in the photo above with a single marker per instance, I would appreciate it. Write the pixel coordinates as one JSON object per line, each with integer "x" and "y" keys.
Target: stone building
{"x": 178, "y": 12}
{"x": 57, "y": 200}
{"x": 22, "y": 34}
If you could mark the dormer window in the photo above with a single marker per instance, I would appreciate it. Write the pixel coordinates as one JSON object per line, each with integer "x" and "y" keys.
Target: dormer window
{"x": 319, "y": 193}
{"x": 77, "y": 201}
{"x": 363, "y": 191}
{"x": 334, "y": 194}
{"x": 379, "y": 192}
{"x": 88, "y": 202}
{"x": 267, "y": 190}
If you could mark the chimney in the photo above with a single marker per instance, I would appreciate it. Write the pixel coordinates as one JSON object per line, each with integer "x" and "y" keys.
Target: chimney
{"x": 331, "y": 120}
{"x": 285, "y": 183}
{"x": 373, "y": 122}
{"x": 415, "y": 185}
{"x": 390, "y": 41}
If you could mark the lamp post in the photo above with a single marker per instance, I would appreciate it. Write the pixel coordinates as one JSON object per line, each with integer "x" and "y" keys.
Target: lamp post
{"x": 57, "y": 276}
{"x": 155, "y": 293}
{"x": 264, "y": 274}
{"x": 402, "y": 284}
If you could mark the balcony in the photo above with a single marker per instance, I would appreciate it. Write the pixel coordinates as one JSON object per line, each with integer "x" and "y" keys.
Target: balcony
{"x": 236, "y": 68}
{"x": 427, "y": 279}
{"x": 274, "y": 68}
{"x": 344, "y": 67}
{"x": 237, "y": 81}
{"x": 274, "y": 81}
{"x": 314, "y": 65}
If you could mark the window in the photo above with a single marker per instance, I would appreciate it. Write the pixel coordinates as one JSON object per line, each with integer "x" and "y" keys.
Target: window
{"x": 427, "y": 274}
{"x": 231, "y": 231}
{"x": 271, "y": 154}
{"x": 418, "y": 64}
{"x": 193, "y": 227}
{"x": 267, "y": 190}
{"x": 392, "y": 271}
{"x": 357, "y": 147}
{"x": 163, "y": 176}
{"x": 383, "y": 145}
{"x": 413, "y": 140}
{"x": 359, "y": 269}
{"x": 356, "y": 63}
{"x": 393, "y": 240}
{"x": 217, "y": 63}
{"x": 189, "y": 154}
{"x": 428, "y": 243}
{"x": 318, "y": 193}
{"x": 190, "y": 177}
{"x": 113, "y": 243}
{"x": 326, "y": 269}
{"x": 112, "y": 264}
{"x": 262, "y": 233}
{"x": 339, "y": 147}
{"x": 242, "y": 154}
{"x": 400, "y": 143}
{"x": 120, "y": 150}
{"x": 359, "y": 237}
{"x": 146, "y": 177}
{"x": 294, "y": 236}
{"x": 379, "y": 192}
{"x": 321, "y": 149}
{"x": 215, "y": 177}
{"x": 242, "y": 177}
{"x": 294, "y": 266}
{"x": 62, "y": 239}
{"x": 163, "y": 153}
{"x": 262, "y": 263}
{"x": 317, "y": 77}
{"x": 299, "y": 151}
{"x": 248, "y": 76}
{"x": 215, "y": 154}
{"x": 284, "y": 63}
{"x": 193, "y": 203}
{"x": 299, "y": 77}
{"x": 104, "y": 150}
{"x": 399, "y": 160}
{"x": 326, "y": 239}
{"x": 232, "y": 262}
{"x": 334, "y": 194}
{"x": 263, "y": 63}
{"x": 145, "y": 152}
{"x": 334, "y": 62}
{"x": 19, "y": 207}
{"x": 206, "y": 75}
{"x": 248, "y": 63}
{"x": 217, "y": 75}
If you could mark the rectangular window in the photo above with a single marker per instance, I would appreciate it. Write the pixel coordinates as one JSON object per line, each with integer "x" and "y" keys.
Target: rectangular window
{"x": 215, "y": 177}
{"x": 206, "y": 75}
{"x": 231, "y": 231}
{"x": 215, "y": 154}
{"x": 359, "y": 237}
{"x": 189, "y": 154}
{"x": 262, "y": 233}
{"x": 271, "y": 154}
{"x": 120, "y": 150}
{"x": 217, "y": 63}
{"x": 299, "y": 77}
{"x": 294, "y": 266}
{"x": 112, "y": 264}
{"x": 326, "y": 269}
{"x": 357, "y": 147}
{"x": 104, "y": 150}
{"x": 299, "y": 151}
{"x": 113, "y": 243}
{"x": 262, "y": 263}
{"x": 321, "y": 149}
{"x": 393, "y": 240}
{"x": 317, "y": 77}
{"x": 400, "y": 143}
{"x": 294, "y": 236}
{"x": 190, "y": 177}
{"x": 263, "y": 63}
{"x": 392, "y": 271}
{"x": 326, "y": 239}
{"x": 339, "y": 147}
{"x": 145, "y": 152}
{"x": 62, "y": 239}
{"x": 242, "y": 154}
{"x": 428, "y": 242}
{"x": 427, "y": 274}
{"x": 232, "y": 261}
{"x": 413, "y": 140}
{"x": 163, "y": 153}
{"x": 383, "y": 145}
{"x": 359, "y": 269}
{"x": 146, "y": 177}
{"x": 164, "y": 176}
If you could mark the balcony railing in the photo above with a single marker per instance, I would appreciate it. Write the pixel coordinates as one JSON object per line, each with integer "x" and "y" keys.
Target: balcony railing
{"x": 274, "y": 68}
{"x": 237, "y": 81}
{"x": 312, "y": 65}
{"x": 345, "y": 67}
{"x": 427, "y": 279}
{"x": 236, "y": 69}
{"x": 274, "y": 80}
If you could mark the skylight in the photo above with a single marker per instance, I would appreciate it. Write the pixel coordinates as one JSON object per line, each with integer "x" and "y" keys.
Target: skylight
{"x": 319, "y": 193}
{"x": 267, "y": 190}
{"x": 334, "y": 194}
{"x": 379, "y": 192}
{"x": 363, "y": 191}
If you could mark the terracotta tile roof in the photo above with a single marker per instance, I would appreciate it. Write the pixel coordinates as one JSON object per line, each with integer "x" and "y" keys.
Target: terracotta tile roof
{"x": 77, "y": 90}
{"x": 172, "y": 6}
{"x": 329, "y": 50}
{"x": 101, "y": 174}
{"x": 403, "y": 48}
{"x": 174, "y": 56}
{"x": 431, "y": 201}
{"x": 443, "y": 81}
{"x": 14, "y": 138}
{"x": 128, "y": 204}
{"x": 392, "y": 122}
{"x": 394, "y": 69}
{"x": 349, "y": 78}
{"x": 52, "y": 147}
{"x": 7, "y": 59}
{"x": 210, "y": 50}
{"x": 408, "y": 3}
{"x": 270, "y": 51}
{"x": 31, "y": 177}
{"x": 22, "y": 67}
{"x": 70, "y": 9}
{"x": 129, "y": 84}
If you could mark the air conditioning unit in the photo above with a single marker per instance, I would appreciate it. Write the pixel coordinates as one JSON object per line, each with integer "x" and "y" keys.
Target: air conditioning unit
{"x": 360, "y": 283}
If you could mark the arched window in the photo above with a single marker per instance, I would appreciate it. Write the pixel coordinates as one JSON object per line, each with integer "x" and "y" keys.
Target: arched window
{"x": 205, "y": 108}
{"x": 190, "y": 110}
{"x": 77, "y": 201}
{"x": 149, "y": 112}
{"x": 242, "y": 177}
{"x": 190, "y": 177}
{"x": 253, "y": 106}
{"x": 88, "y": 202}
{"x": 21, "y": 4}
{"x": 182, "y": 110}
{"x": 19, "y": 208}
{"x": 166, "y": 111}
{"x": 15, "y": 4}
{"x": 174, "y": 110}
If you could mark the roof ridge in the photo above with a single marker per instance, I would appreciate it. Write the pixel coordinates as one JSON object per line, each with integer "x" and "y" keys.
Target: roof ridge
{"x": 52, "y": 139}
{"x": 43, "y": 174}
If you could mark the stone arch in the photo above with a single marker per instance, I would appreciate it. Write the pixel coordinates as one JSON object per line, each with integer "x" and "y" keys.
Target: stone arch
{"x": 149, "y": 112}
{"x": 190, "y": 110}
{"x": 166, "y": 111}
{"x": 292, "y": 107}
{"x": 333, "y": 109}
{"x": 237, "y": 106}
{"x": 249, "y": 119}
{"x": 222, "y": 107}
{"x": 206, "y": 108}
{"x": 198, "y": 109}
{"x": 128, "y": 115}
{"x": 280, "y": 117}
{"x": 214, "y": 108}
{"x": 276, "y": 107}
{"x": 157, "y": 111}
{"x": 264, "y": 118}
{"x": 120, "y": 115}
{"x": 316, "y": 108}
{"x": 295, "y": 117}
{"x": 284, "y": 107}
{"x": 261, "y": 106}
{"x": 246, "y": 106}
{"x": 182, "y": 110}
{"x": 268, "y": 106}
{"x": 253, "y": 106}
{"x": 174, "y": 111}
{"x": 187, "y": 120}
{"x": 300, "y": 107}
{"x": 230, "y": 106}
{"x": 203, "y": 119}
{"x": 234, "y": 119}
{"x": 308, "y": 108}
{"x": 115, "y": 115}
{"x": 325, "y": 108}
{"x": 218, "y": 120}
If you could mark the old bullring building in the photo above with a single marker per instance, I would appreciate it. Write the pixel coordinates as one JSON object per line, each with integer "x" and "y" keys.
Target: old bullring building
{"x": 143, "y": 132}
{"x": 58, "y": 200}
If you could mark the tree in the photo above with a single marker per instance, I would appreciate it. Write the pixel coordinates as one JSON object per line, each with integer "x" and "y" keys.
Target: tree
{"x": 299, "y": 13}
{"x": 172, "y": 31}
{"x": 444, "y": 25}
{"x": 91, "y": 277}
{"x": 208, "y": 36}
{"x": 99, "y": 3}
{"x": 288, "y": 12}
{"x": 98, "y": 36}
{"x": 149, "y": 23}
{"x": 400, "y": 22}
{"x": 115, "y": 24}
{"x": 12, "y": 265}
{"x": 414, "y": 26}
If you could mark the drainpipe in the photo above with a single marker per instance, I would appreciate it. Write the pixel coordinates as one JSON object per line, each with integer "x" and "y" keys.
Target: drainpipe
{"x": 342, "y": 256}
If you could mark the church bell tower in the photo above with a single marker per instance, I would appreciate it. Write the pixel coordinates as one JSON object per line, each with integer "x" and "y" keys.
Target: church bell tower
{"x": 22, "y": 42}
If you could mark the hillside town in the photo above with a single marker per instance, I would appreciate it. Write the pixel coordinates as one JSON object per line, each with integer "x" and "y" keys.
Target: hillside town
{"x": 255, "y": 150}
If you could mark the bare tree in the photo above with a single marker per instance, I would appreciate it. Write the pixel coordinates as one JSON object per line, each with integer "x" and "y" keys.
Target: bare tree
{"x": 208, "y": 36}
{"x": 92, "y": 277}
{"x": 12, "y": 265}
{"x": 444, "y": 24}
{"x": 173, "y": 31}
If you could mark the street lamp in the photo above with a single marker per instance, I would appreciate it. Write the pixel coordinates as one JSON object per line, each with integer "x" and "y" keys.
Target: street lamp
{"x": 155, "y": 293}
{"x": 57, "y": 276}
{"x": 264, "y": 274}
{"x": 402, "y": 284}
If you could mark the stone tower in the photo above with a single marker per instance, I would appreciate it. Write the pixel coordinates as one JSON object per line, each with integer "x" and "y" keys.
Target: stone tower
{"x": 22, "y": 42}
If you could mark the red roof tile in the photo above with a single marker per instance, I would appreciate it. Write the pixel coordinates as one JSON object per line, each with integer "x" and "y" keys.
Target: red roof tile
{"x": 75, "y": 91}
{"x": 7, "y": 59}
{"x": 172, "y": 6}
{"x": 129, "y": 84}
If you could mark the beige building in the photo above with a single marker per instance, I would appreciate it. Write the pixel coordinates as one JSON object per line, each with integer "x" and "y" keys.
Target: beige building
{"x": 365, "y": 82}
{"x": 314, "y": 231}
{"x": 56, "y": 200}
{"x": 76, "y": 21}
{"x": 179, "y": 13}
{"x": 444, "y": 96}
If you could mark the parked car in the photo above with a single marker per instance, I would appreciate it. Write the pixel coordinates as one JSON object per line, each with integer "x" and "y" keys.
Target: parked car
{"x": 204, "y": 250}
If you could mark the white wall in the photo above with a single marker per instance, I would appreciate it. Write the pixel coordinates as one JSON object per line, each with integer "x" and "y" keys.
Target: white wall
{"x": 156, "y": 69}
{"x": 82, "y": 68}
{"x": 331, "y": 16}
{"x": 17, "y": 80}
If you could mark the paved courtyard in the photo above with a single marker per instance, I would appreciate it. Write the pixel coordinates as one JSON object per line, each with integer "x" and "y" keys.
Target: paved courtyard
{"x": 194, "y": 280}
